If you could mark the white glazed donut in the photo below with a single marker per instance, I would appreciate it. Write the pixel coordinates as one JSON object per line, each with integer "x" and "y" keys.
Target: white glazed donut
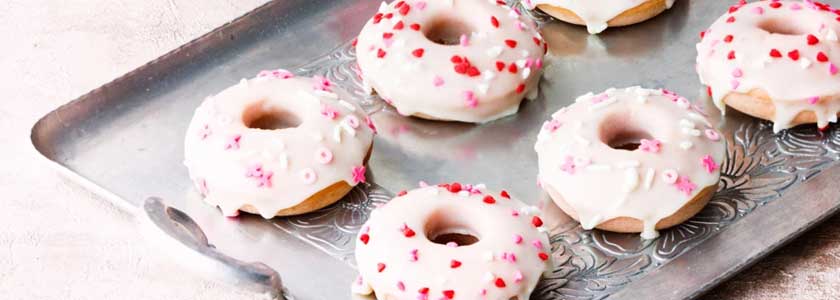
{"x": 597, "y": 15}
{"x": 775, "y": 60}
{"x": 277, "y": 145}
{"x": 457, "y": 60}
{"x": 452, "y": 242}
{"x": 630, "y": 160}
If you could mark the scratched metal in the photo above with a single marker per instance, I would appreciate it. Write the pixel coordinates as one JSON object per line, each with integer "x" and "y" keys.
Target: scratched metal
{"x": 146, "y": 113}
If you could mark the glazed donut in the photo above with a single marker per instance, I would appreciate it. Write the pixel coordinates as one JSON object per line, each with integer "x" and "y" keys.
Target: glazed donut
{"x": 597, "y": 15}
{"x": 774, "y": 60}
{"x": 630, "y": 160}
{"x": 277, "y": 145}
{"x": 452, "y": 241}
{"x": 457, "y": 60}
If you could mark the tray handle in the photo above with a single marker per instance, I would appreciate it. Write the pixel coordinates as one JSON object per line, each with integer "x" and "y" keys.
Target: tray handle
{"x": 178, "y": 234}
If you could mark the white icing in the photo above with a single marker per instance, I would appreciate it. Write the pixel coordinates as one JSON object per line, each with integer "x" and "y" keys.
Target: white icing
{"x": 595, "y": 13}
{"x": 621, "y": 183}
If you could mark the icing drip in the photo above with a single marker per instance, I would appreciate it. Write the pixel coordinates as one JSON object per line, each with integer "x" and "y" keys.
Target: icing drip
{"x": 787, "y": 49}
{"x": 649, "y": 182}
{"x": 595, "y": 13}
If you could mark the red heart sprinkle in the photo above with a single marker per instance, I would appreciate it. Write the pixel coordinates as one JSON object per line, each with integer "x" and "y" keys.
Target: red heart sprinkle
{"x": 543, "y": 256}
{"x": 408, "y": 232}
{"x": 728, "y": 38}
{"x": 510, "y": 43}
{"x": 399, "y": 26}
{"x": 536, "y": 221}
{"x": 387, "y": 35}
{"x": 520, "y": 88}
{"x": 489, "y": 199}
{"x": 494, "y": 21}
{"x": 812, "y": 40}
{"x": 500, "y": 283}
{"x": 504, "y": 194}
{"x": 415, "y": 27}
{"x": 821, "y": 57}
{"x": 380, "y": 267}
{"x": 418, "y": 52}
{"x": 454, "y": 187}
{"x": 500, "y": 66}
{"x": 449, "y": 294}
{"x": 794, "y": 55}
{"x": 775, "y": 53}
{"x": 731, "y": 55}
{"x": 730, "y": 20}
{"x": 775, "y": 4}
{"x": 454, "y": 264}
{"x": 364, "y": 238}
{"x": 513, "y": 68}
{"x": 381, "y": 53}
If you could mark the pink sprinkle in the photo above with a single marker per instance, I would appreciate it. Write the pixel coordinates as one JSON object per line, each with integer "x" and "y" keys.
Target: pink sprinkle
{"x": 470, "y": 98}
{"x": 670, "y": 176}
{"x": 521, "y": 26}
{"x": 517, "y": 239}
{"x": 539, "y": 63}
{"x": 709, "y": 163}
{"x": 514, "y": 213}
{"x": 421, "y": 5}
{"x": 537, "y": 244}
{"x": 483, "y": 292}
{"x": 734, "y": 83}
{"x": 438, "y": 81}
{"x": 511, "y": 257}
{"x": 465, "y": 40}
{"x": 308, "y": 176}
{"x": 452, "y": 245}
{"x": 279, "y": 73}
{"x": 795, "y": 6}
{"x": 324, "y": 155}
{"x": 600, "y": 98}
{"x": 758, "y": 10}
{"x": 263, "y": 177}
{"x": 813, "y": 100}
{"x": 652, "y": 146}
{"x": 552, "y": 125}
{"x": 568, "y": 165}
{"x": 329, "y": 112}
{"x": 204, "y": 132}
{"x": 712, "y": 135}
{"x": 832, "y": 69}
{"x": 358, "y": 174}
{"x": 233, "y": 143}
{"x": 401, "y": 286}
{"x": 685, "y": 185}
{"x": 413, "y": 255}
{"x": 737, "y": 73}
{"x": 370, "y": 124}
{"x": 517, "y": 276}
{"x": 352, "y": 121}
{"x": 322, "y": 83}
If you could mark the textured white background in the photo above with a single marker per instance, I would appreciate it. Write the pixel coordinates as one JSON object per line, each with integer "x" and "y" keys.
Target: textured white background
{"x": 58, "y": 241}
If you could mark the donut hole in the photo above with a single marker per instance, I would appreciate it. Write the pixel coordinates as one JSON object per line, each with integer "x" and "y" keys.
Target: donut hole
{"x": 618, "y": 133}
{"x": 782, "y": 27}
{"x": 447, "y": 31}
{"x": 260, "y": 116}
{"x": 445, "y": 227}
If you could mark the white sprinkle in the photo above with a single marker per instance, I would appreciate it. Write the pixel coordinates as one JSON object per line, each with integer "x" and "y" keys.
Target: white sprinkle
{"x": 603, "y": 104}
{"x": 464, "y": 193}
{"x": 642, "y": 91}
{"x": 526, "y": 72}
{"x": 683, "y": 103}
{"x": 628, "y": 164}
{"x": 348, "y": 128}
{"x": 489, "y": 75}
{"x": 686, "y": 145}
{"x": 690, "y": 131}
{"x": 347, "y": 105}
{"x": 831, "y": 35}
{"x": 482, "y": 88}
{"x": 641, "y": 99}
{"x": 686, "y": 123}
{"x": 599, "y": 167}
{"x": 542, "y": 229}
{"x": 495, "y": 51}
{"x": 326, "y": 94}
{"x": 243, "y": 82}
{"x": 488, "y": 256}
{"x": 631, "y": 179}
{"x": 284, "y": 161}
{"x": 521, "y": 63}
{"x": 649, "y": 177}
{"x": 699, "y": 118}
{"x": 383, "y": 6}
{"x": 804, "y": 63}
{"x": 337, "y": 134}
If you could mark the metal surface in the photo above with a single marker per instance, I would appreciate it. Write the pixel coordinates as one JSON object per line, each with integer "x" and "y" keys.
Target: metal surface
{"x": 124, "y": 140}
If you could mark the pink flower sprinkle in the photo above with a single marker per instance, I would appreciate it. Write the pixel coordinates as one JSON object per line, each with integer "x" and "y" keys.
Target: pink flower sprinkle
{"x": 413, "y": 255}
{"x": 652, "y": 146}
{"x": 709, "y": 163}
{"x": 832, "y": 69}
{"x": 552, "y": 125}
{"x": 685, "y": 185}
{"x": 712, "y": 135}
{"x": 279, "y": 74}
{"x": 470, "y": 99}
{"x": 263, "y": 177}
{"x": 568, "y": 165}
{"x": 322, "y": 83}
{"x": 358, "y": 174}
{"x": 813, "y": 100}
{"x": 537, "y": 244}
{"x": 329, "y": 112}
{"x": 233, "y": 142}
{"x": 737, "y": 73}
{"x": 370, "y": 124}
{"x": 465, "y": 40}
{"x": 517, "y": 276}
{"x": 517, "y": 239}
{"x": 204, "y": 132}
{"x": 324, "y": 155}
{"x": 437, "y": 81}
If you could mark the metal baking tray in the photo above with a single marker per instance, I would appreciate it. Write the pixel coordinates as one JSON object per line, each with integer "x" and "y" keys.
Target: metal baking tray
{"x": 124, "y": 141}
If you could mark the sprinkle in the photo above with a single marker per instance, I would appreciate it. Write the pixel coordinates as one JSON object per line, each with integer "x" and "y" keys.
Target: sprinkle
{"x": 437, "y": 81}
{"x": 603, "y": 104}
{"x": 494, "y": 51}
{"x": 470, "y": 99}
{"x": 308, "y": 176}
{"x": 517, "y": 276}
{"x": 794, "y": 55}
{"x": 449, "y": 294}
{"x": 536, "y": 221}
{"x": 415, "y": 27}
{"x": 737, "y": 73}
{"x": 233, "y": 142}
{"x": 649, "y": 178}
{"x": 685, "y": 185}
{"x": 812, "y": 40}
{"x": 692, "y": 132}
{"x": 734, "y": 84}
{"x": 537, "y": 244}
{"x": 813, "y": 100}
{"x": 401, "y": 286}
{"x": 713, "y": 135}
{"x": 504, "y": 194}
{"x": 543, "y": 256}
{"x": 832, "y": 69}
{"x": 380, "y": 267}
{"x": 568, "y": 165}
{"x": 775, "y": 53}
{"x": 821, "y": 57}
{"x": 669, "y": 176}
{"x": 418, "y": 52}
{"x": 489, "y": 199}
{"x": 464, "y": 40}
{"x": 365, "y": 238}
{"x": 358, "y": 174}
{"x": 323, "y": 155}
{"x": 413, "y": 256}
{"x": 510, "y": 43}
{"x": 709, "y": 163}
{"x": 517, "y": 239}
{"x": 831, "y": 35}
{"x": 488, "y": 256}
{"x": 494, "y": 21}
{"x": 500, "y": 283}
{"x": 652, "y": 146}
{"x": 805, "y": 63}
{"x": 758, "y": 10}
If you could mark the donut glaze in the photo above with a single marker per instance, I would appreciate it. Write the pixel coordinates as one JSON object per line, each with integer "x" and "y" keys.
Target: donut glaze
{"x": 275, "y": 171}
{"x": 597, "y": 14}
{"x": 784, "y": 52}
{"x": 495, "y": 61}
{"x": 398, "y": 260}
{"x": 583, "y": 163}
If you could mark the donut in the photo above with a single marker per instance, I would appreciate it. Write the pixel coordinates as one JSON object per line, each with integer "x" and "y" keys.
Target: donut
{"x": 597, "y": 15}
{"x": 452, "y": 241}
{"x": 277, "y": 145}
{"x": 630, "y": 160}
{"x": 774, "y": 60}
{"x": 466, "y": 60}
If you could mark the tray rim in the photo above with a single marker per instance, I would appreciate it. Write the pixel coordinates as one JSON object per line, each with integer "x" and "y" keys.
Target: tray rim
{"x": 38, "y": 128}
